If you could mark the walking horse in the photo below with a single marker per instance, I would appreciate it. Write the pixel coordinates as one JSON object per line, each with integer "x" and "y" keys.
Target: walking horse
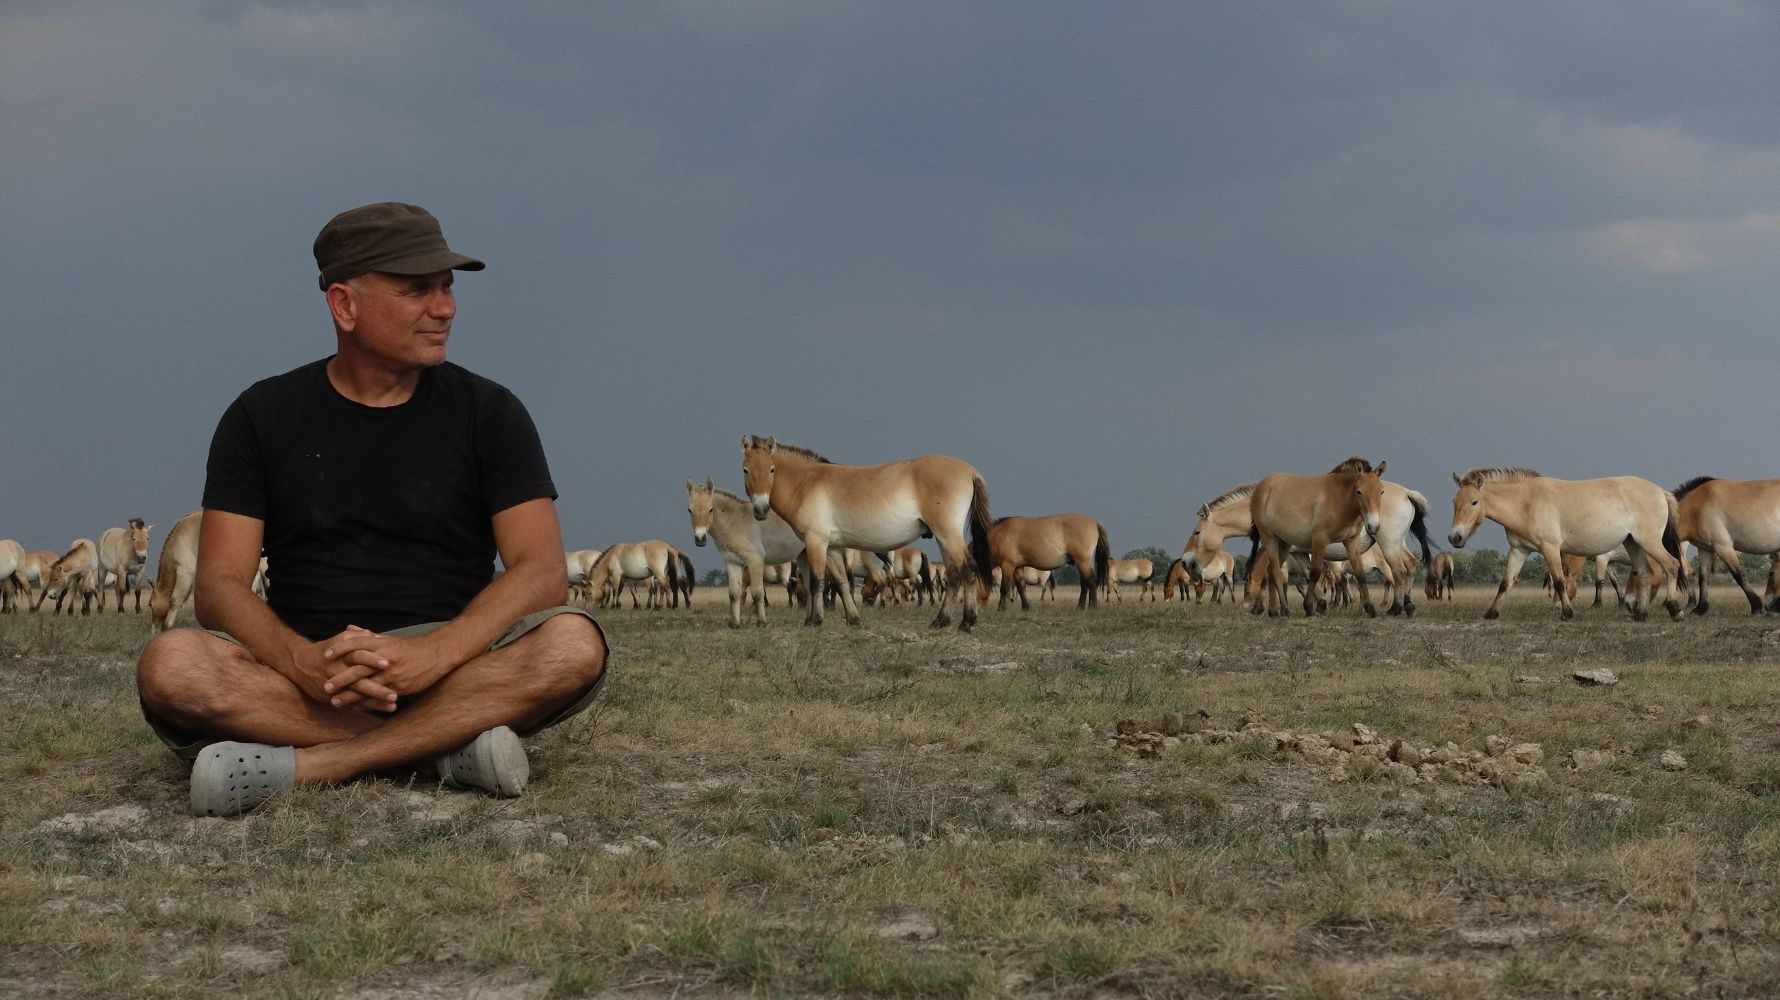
{"x": 1046, "y": 544}
{"x": 1586, "y": 517}
{"x": 877, "y": 508}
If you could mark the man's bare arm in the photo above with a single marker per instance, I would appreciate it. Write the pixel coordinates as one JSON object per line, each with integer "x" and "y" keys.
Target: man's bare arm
{"x": 228, "y": 557}
{"x": 530, "y": 543}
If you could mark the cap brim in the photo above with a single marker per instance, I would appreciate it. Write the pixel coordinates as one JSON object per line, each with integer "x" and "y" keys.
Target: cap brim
{"x": 430, "y": 262}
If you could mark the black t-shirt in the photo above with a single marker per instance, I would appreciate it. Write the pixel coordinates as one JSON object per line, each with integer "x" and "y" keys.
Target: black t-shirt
{"x": 377, "y": 517}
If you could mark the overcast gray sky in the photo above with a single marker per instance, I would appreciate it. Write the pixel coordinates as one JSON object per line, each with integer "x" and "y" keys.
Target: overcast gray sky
{"x": 1118, "y": 256}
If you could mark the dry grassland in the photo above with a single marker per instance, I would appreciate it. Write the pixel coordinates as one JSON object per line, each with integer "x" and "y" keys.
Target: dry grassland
{"x": 889, "y": 811}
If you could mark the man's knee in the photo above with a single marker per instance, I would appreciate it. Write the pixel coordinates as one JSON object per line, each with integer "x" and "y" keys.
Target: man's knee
{"x": 572, "y": 652}
{"x": 169, "y": 665}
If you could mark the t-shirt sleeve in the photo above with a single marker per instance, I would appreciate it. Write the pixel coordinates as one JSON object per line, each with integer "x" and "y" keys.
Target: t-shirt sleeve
{"x": 234, "y": 475}
{"x": 514, "y": 469}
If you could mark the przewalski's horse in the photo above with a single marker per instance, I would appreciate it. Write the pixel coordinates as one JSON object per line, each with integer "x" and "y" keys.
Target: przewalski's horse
{"x": 1439, "y": 585}
{"x": 654, "y": 561}
{"x": 1586, "y": 517}
{"x": 177, "y": 571}
{"x": 1220, "y": 572}
{"x": 1130, "y": 571}
{"x": 12, "y": 581}
{"x": 121, "y": 552}
{"x": 748, "y": 547}
{"x": 579, "y": 563}
{"x": 1047, "y": 543}
{"x": 1311, "y": 513}
{"x": 35, "y": 569}
{"x": 1042, "y": 580}
{"x": 908, "y": 567}
{"x": 1723, "y": 517}
{"x": 878, "y": 508}
{"x": 77, "y": 571}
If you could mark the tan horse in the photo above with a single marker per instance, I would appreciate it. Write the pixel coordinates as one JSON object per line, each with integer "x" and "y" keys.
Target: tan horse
{"x": 177, "y": 571}
{"x": 121, "y": 552}
{"x": 1047, "y": 544}
{"x": 580, "y": 563}
{"x": 1136, "y": 572}
{"x": 877, "y": 508}
{"x": 1042, "y": 580}
{"x": 1312, "y": 513}
{"x": 35, "y": 568}
{"x": 1220, "y": 573}
{"x": 77, "y": 571}
{"x": 12, "y": 581}
{"x": 909, "y": 568}
{"x": 1556, "y": 516}
{"x": 1439, "y": 585}
{"x": 654, "y": 561}
{"x": 750, "y": 549}
{"x": 1723, "y": 517}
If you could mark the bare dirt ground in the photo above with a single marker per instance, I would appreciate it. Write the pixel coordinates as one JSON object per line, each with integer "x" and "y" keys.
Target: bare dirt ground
{"x": 1148, "y": 801}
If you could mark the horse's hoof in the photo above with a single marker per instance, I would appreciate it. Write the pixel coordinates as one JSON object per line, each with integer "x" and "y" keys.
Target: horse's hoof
{"x": 1673, "y": 608}
{"x": 1371, "y": 612}
{"x": 1566, "y": 614}
{"x": 942, "y": 621}
{"x": 1491, "y": 615}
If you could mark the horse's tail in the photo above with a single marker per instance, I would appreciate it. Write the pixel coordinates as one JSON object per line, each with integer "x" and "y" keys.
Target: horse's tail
{"x": 673, "y": 571}
{"x": 688, "y": 577}
{"x": 980, "y": 522}
{"x": 1418, "y": 525}
{"x": 1672, "y": 537}
{"x": 1254, "y": 549}
{"x": 926, "y": 574}
{"x": 1102, "y": 556}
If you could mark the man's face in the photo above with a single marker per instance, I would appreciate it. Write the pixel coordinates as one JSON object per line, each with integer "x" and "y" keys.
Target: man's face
{"x": 403, "y": 320}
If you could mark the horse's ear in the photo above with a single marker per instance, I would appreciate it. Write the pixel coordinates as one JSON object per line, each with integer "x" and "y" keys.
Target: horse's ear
{"x": 745, "y": 442}
{"x": 1380, "y": 469}
{"x": 1457, "y": 480}
{"x": 772, "y": 445}
{"x": 710, "y": 487}
{"x": 689, "y": 486}
{"x": 1201, "y": 511}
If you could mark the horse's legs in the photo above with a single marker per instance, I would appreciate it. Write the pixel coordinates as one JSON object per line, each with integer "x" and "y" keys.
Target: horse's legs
{"x": 1731, "y": 563}
{"x": 737, "y": 581}
{"x": 1562, "y": 587}
{"x": 817, "y": 571}
{"x": 1020, "y": 588}
{"x": 849, "y": 595}
{"x": 1673, "y": 571}
{"x": 955, "y": 550}
{"x": 1517, "y": 557}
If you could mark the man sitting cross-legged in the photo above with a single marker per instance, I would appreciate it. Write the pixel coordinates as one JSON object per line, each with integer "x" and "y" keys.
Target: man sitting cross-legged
{"x": 381, "y": 483}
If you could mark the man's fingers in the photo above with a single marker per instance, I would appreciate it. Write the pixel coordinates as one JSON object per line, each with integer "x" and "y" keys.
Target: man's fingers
{"x": 349, "y": 676}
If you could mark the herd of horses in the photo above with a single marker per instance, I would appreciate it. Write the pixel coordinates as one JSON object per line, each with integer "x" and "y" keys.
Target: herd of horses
{"x": 817, "y": 526}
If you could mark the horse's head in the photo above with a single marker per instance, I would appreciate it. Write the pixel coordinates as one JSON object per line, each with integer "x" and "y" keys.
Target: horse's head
{"x": 701, "y": 503}
{"x": 1368, "y": 488}
{"x": 758, "y": 468}
{"x": 1467, "y": 508}
{"x": 139, "y": 537}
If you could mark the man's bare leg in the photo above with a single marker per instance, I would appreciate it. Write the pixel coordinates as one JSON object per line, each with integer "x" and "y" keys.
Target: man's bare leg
{"x": 210, "y": 685}
{"x": 518, "y": 685}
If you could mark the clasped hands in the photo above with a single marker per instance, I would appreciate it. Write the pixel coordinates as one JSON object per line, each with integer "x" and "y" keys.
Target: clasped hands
{"x": 366, "y": 670}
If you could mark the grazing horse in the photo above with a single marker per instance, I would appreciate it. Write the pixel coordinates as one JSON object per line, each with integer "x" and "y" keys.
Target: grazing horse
{"x": 877, "y": 508}
{"x": 1587, "y": 517}
{"x": 748, "y": 547}
{"x": 1440, "y": 577}
{"x": 76, "y": 571}
{"x": 1312, "y": 513}
{"x": 1132, "y": 571}
{"x": 1723, "y": 517}
{"x": 580, "y": 563}
{"x": 908, "y": 566}
{"x": 12, "y": 581}
{"x": 177, "y": 571}
{"x": 1047, "y": 544}
{"x": 1220, "y": 572}
{"x": 654, "y": 561}
{"x": 121, "y": 552}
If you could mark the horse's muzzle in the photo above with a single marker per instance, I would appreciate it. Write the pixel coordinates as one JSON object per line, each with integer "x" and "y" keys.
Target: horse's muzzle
{"x": 1457, "y": 539}
{"x": 762, "y": 508}
{"x": 698, "y": 539}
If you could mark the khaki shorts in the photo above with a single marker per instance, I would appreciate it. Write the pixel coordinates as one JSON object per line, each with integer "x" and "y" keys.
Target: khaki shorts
{"x": 188, "y": 745}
